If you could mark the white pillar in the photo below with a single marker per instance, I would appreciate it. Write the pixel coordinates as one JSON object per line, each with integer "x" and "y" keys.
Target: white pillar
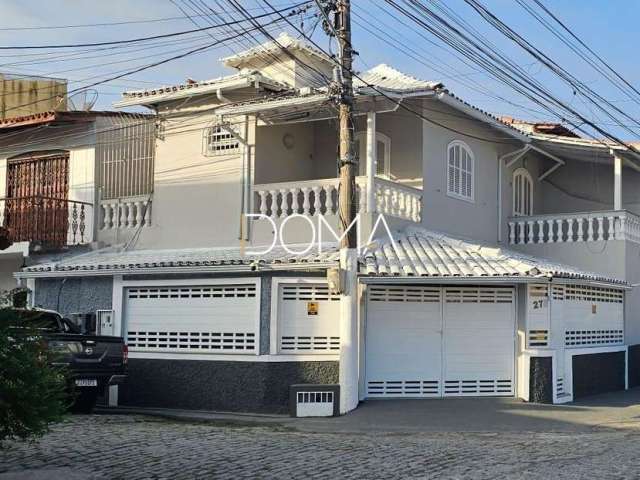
{"x": 349, "y": 331}
{"x": 617, "y": 182}
{"x": 372, "y": 156}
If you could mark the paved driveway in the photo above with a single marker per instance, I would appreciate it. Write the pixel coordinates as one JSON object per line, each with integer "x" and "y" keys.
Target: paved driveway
{"x": 142, "y": 447}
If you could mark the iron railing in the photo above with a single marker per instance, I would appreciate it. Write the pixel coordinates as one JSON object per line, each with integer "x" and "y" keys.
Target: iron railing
{"x": 53, "y": 222}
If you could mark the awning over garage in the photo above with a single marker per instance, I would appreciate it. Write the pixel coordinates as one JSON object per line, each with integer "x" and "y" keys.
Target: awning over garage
{"x": 420, "y": 253}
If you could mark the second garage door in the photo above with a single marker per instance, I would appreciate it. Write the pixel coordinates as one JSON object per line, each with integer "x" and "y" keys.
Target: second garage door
{"x": 433, "y": 341}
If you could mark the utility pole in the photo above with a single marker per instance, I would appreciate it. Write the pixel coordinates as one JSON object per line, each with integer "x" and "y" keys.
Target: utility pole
{"x": 349, "y": 342}
{"x": 347, "y": 205}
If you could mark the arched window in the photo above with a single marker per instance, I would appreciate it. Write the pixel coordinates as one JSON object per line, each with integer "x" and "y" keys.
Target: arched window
{"x": 522, "y": 193}
{"x": 460, "y": 168}
{"x": 383, "y": 161}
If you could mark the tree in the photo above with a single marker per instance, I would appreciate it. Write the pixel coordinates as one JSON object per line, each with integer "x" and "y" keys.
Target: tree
{"x": 33, "y": 394}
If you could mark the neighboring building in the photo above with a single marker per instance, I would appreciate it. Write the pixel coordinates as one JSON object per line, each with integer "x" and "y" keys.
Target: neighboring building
{"x": 486, "y": 290}
{"x": 25, "y": 95}
{"x": 57, "y": 169}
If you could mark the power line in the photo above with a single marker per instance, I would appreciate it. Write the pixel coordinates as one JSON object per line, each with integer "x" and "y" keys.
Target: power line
{"x": 147, "y": 66}
{"x": 143, "y": 39}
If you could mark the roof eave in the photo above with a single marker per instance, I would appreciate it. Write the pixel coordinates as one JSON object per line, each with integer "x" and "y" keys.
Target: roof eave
{"x": 452, "y": 101}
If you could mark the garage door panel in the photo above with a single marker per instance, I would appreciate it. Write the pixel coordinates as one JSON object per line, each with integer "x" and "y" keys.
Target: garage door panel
{"x": 479, "y": 341}
{"x": 403, "y": 347}
{"x": 204, "y": 318}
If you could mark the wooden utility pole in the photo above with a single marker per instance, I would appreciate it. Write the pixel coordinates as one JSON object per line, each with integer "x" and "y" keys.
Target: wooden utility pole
{"x": 348, "y": 371}
{"x": 347, "y": 192}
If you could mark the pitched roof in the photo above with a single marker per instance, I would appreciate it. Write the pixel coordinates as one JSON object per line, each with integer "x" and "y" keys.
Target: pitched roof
{"x": 111, "y": 259}
{"x": 388, "y": 78}
{"x": 423, "y": 253}
{"x": 59, "y": 116}
{"x": 283, "y": 41}
{"x": 197, "y": 87}
{"x": 417, "y": 253}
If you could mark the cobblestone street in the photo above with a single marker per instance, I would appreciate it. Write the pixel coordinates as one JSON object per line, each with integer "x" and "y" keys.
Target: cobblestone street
{"x": 137, "y": 447}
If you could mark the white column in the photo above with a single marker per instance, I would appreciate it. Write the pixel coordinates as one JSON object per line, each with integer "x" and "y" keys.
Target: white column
{"x": 372, "y": 156}
{"x": 617, "y": 182}
{"x": 348, "y": 331}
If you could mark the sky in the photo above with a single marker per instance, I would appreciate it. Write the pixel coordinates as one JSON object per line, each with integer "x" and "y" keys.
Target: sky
{"x": 608, "y": 27}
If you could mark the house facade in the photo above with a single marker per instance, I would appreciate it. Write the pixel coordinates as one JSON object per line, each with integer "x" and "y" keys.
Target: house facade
{"x": 504, "y": 265}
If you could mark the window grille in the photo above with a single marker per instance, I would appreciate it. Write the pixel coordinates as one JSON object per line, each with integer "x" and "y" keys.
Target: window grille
{"x": 460, "y": 171}
{"x": 219, "y": 140}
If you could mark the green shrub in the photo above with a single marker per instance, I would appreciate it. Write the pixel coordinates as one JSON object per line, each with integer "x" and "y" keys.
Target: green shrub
{"x": 32, "y": 393}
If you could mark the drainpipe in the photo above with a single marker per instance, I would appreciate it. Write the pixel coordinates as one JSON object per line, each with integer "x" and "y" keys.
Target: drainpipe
{"x": 220, "y": 97}
{"x": 501, "y": 159}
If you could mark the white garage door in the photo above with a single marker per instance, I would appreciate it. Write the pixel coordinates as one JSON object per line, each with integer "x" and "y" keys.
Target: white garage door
{"x": 403, "y": 342}
{"x": 431, "y": 341}
{"x": 215, "y": 318}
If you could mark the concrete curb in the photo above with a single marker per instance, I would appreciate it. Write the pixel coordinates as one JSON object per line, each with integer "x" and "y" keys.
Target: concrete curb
{"x": 202, "y": 416}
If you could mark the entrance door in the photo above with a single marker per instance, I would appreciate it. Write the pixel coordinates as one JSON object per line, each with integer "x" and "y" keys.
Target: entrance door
{"x": 434, "y": 341}
{"x": 36, "y": 203}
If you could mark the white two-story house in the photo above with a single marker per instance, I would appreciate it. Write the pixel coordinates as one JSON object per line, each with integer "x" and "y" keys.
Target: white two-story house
{"x": 510, "y": 270}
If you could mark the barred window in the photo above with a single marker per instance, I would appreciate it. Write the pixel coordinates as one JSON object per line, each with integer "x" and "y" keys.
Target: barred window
{"x": 460, "y": 171}
{"x": 220, "y": 141}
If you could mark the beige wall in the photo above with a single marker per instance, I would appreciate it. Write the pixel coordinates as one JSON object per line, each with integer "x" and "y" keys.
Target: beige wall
{"x": 25, "y": 96}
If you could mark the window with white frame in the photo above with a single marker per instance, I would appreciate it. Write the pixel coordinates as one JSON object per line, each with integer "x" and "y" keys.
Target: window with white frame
{"x": 383, "y": 153}
{"x": 221, "y": 140}
{"x": 522, "y": 193}
{"x": 460, "y": 171}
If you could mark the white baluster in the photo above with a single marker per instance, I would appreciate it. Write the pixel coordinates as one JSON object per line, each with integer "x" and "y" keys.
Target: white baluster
{"x": 550, "y": 233}
{"x": 418, "y": 210}
{"x": 274, "y": 203}
{"x": 540, "y": 231}
{"x": 600, "y": 235}
{"x": 284, "y": 203}
{"x": 138, "y": 213}
{"x": 530, "y": 224}
{"x": 316, "y": 200}
{"x": 570, "y": 222}
{"x": 521, "y": 231}
{"x": 296, "y": 206}
{"x": 512, "y": 233}
{"x": 120, "y": 215}
{"x": 560, "y": 233}
{"x": 305, "y": 200}
{"x": 580, "y": 229}
{"x": 610, "y": 228}
{"x": 262, "y": 195}
{"x": 107, "y": 221}
{"x": 147, "y": 213}
{"x": 623, "y": 227}
{"x": 589, "y": 229}
{"x": 130, "y": 214}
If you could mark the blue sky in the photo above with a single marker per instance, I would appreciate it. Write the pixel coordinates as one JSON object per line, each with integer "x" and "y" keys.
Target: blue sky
{"x": 608, "y": 27}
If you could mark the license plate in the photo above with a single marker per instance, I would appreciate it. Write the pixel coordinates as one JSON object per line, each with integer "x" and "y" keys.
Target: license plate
{"x": 86, "y": 382}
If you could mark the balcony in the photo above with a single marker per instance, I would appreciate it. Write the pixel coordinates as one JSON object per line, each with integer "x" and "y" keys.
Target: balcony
{"x": 314, "y": 197}
{"x": 574, "y": 227}
{"x": 50, "y": 222}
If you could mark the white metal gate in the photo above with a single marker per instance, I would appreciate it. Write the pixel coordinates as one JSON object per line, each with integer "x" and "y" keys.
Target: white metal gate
{"x": 215, "y": 318}
{"x": 433, "y": 341}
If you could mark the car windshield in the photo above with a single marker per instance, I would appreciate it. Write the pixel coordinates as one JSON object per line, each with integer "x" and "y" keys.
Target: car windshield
{"x": 39, "y": 320}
